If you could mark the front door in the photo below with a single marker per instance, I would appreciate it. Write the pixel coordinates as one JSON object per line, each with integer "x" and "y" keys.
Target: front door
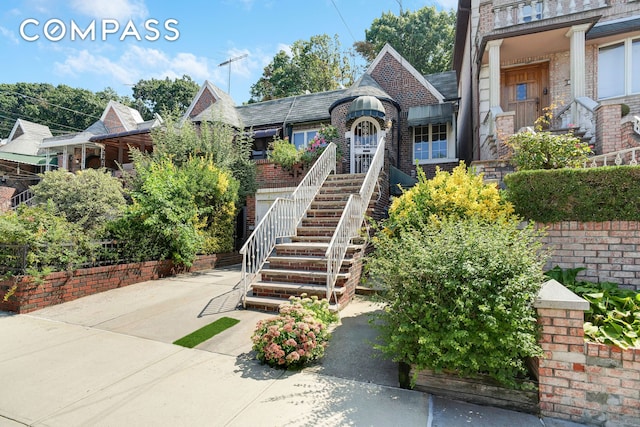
{"x": 525, "y": 90}
{"x": 364, "y": 141}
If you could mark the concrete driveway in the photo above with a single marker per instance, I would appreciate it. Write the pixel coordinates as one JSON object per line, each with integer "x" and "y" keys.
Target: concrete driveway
{"x": 107, "y": 360}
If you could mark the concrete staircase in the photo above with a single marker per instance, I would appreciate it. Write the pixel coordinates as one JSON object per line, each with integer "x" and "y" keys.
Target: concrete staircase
{"x": 299, "y": 266}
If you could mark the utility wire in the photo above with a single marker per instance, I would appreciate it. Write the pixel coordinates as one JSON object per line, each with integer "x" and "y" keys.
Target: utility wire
{"x": 343, "y": 20}
{"x": 49, "y": 123}
{"x": 48, "y": 103}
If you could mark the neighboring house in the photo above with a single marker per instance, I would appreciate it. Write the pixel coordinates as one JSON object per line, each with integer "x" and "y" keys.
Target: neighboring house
{"x": 21, "y": 161}
{"x": 417, "y": 113}
{"x": 105, "y": 143}
{"x": 21, "y": 150}
{"x": 515, "y": 58}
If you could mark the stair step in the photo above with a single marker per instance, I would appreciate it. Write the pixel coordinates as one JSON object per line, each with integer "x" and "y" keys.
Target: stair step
{"x": 328, "y": 204}
{"x": 309, "y": 262}
{"x": 270, "y": 304}
{"x": 341, "y": 196}
{"x": 321, "y": 222}
{"x": 324, "y": 213}
{"x": 345, "y": 177}
{"x": 299, "y": 276}
{"x": 311, "y": 239}
{"x": 309, "y": 249}
{"x": 287, "y": 289}
{"x": 315, "y": 231}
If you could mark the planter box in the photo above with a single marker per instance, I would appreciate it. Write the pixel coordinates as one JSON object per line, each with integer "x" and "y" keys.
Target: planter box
{"x": 481, "y": 391}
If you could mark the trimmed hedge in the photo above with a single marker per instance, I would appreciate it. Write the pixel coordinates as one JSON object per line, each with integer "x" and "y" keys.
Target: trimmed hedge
{"x": 592, "y": 194}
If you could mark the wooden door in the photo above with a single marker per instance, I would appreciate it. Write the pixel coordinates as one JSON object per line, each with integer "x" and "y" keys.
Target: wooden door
{"x": 525, "y": 91}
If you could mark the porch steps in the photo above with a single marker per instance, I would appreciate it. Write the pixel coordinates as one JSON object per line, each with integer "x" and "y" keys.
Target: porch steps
{"x": 300, "y": 266}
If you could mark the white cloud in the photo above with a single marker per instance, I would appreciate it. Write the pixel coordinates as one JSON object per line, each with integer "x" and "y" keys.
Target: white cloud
{"x": 133, "y": 64}
{"x": 115, "y": 9}
{"x": 448, "y": 4}
{"x": 4, "y": 32}
{"x": 286, "y": 48}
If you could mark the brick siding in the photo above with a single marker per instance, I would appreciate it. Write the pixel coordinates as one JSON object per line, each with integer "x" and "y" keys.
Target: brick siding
{"x": 66, "y": 286}
{"x": 6, "y": 194}
{"x": 608, "y": 129}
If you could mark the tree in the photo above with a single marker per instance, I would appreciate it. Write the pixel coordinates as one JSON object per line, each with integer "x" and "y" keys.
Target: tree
{"x": 315, "y": 65}
{"x": 63, "y": 108}
{"x": 424, "y": 38}
{"x": 158, "y": 96}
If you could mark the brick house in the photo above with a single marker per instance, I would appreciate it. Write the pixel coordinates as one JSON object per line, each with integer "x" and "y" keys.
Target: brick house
{"x": 416, "y": 113}
{"x": 514, "y": 58}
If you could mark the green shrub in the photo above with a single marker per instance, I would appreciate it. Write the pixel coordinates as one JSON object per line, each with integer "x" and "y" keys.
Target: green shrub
{"x": 592, "y": 194}
{"x": 614, "y": 314}
{"x": 459, "y": 296}
{"x": 53, "y": 243}
{"x": 284, "y": 153}
{"x": 544, "y": 150}
{"x": 88, "y": 198}
{"x": 456, "y": 195}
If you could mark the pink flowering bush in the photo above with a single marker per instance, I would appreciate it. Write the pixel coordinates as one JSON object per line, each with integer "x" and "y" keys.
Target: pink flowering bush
{"x": 296, "y": 336}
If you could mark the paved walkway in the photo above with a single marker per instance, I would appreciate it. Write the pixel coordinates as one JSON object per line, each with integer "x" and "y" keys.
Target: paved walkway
{"x": 107, "y": 360}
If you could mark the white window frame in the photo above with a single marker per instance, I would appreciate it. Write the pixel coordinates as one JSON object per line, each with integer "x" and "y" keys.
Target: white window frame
{"x": 628, "y": 75}
{"x": 305, "y": 132}
{"x": 450, "y": 145}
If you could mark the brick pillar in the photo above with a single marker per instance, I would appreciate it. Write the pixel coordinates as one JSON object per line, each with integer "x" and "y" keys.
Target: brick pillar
{"x": 608, "y": 129}
{"x": 505, "y": 127}
{"x": 6, "y": 193}
{"x": 562, "y": 378}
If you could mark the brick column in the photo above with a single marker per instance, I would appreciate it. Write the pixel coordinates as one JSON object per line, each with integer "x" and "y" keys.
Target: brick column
{"x": 562, "y": 378}
{"x": 608, "y": 129}
{"x": 505, "y": 127}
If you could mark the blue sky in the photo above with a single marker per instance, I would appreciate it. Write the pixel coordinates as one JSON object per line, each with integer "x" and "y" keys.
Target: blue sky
{"x": 205, "y": 33}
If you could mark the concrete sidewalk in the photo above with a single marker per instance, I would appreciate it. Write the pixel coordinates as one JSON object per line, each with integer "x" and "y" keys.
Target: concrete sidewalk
{"x": 107, "y": 360}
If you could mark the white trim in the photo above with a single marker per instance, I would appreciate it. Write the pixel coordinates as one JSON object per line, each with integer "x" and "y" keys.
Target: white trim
{"x": 627, "y": 45}
{"x": 352, "y": 151}
{"x": 451, "y": 145}
{"x": 391, "y": 51}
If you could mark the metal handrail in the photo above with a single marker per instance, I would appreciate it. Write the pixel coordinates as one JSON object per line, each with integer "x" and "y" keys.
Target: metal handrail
{"x": 24, "y": 197}
{"x": 283, "y": 217}
{"x": 351, "y": 219}
{"x": 617, "y": 158}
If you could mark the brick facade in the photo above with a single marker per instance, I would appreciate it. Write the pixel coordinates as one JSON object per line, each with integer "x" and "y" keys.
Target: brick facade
{"x": 608, "y": 128}
{"x": 609, "y": 250}
{"x": 205, "y": 100}
{"x": 112, "y": 122}
{"x": 6, "y": 193}
{"x": 66, "y": 286}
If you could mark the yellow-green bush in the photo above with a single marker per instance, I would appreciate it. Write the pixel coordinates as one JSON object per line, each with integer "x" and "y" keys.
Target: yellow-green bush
{"x": 460, "y": 194}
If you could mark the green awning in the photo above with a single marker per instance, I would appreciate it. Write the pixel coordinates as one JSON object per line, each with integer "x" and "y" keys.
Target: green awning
{"x": 430, "y": 114}
{"x": 399, "y": 179}
{"x": 365, "y": 105}
{"x": 28, "y": 160}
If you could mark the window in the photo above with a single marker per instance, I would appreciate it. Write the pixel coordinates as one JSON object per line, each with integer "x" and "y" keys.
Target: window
{"x": 301, "y": 139}
{"x": 430, "y": 142}
{"x": 617, "y": 65}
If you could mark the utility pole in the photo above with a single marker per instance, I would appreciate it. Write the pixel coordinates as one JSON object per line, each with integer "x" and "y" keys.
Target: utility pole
{"x": 228, "y": 62}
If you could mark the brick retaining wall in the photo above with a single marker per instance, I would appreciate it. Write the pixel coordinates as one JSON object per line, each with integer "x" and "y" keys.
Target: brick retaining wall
{"x": 581, "y": 381}
{"x": 66, "y": 286}
{"x": 609, "y": 250}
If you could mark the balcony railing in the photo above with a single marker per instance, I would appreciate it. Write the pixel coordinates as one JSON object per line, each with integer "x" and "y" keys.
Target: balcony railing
{"x": 521, "y": 12}
{"x": 627, "y": 156}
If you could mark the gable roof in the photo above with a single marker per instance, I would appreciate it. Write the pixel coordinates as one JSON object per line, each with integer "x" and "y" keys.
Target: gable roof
{"x": 387, "y": 49}
{"x": 128, "y": 117}
{"x": 222, "y": 108}
{"x": 25, "y": 138}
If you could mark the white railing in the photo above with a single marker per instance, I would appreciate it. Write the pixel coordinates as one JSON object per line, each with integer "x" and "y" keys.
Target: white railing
{"x": 24, "y": 197}
{"x": 283, "y": 217}
{"x": 351, "y": 219}
{"x": 521, "y": 12}
{"x": 636, "y": 124}
{"x": 627, "y": 156}
{"x": 580, "y": 115}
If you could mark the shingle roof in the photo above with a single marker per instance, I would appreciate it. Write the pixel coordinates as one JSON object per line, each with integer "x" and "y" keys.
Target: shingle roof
{"x": 366, "y": 85}
{"x": 97, "y": 128}
{"x": 445, "y": 82}
{"x": 224, "y": 109}
{"x": 614, "y": 27}
{"x": 129, "y": 117}
{"x": 294, "y": 109}
{"x": 25, "y": 138}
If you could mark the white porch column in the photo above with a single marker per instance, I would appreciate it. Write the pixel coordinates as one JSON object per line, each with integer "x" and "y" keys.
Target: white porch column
{"x": 577, "y": 59}
{"x": 494, "y": 72}
{"x": 65, "y": 158}
{"x": 84, "y": 156}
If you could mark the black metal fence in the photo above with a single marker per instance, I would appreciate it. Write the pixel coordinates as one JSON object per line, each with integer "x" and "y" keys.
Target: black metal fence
{"x": 16, "y": 259}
